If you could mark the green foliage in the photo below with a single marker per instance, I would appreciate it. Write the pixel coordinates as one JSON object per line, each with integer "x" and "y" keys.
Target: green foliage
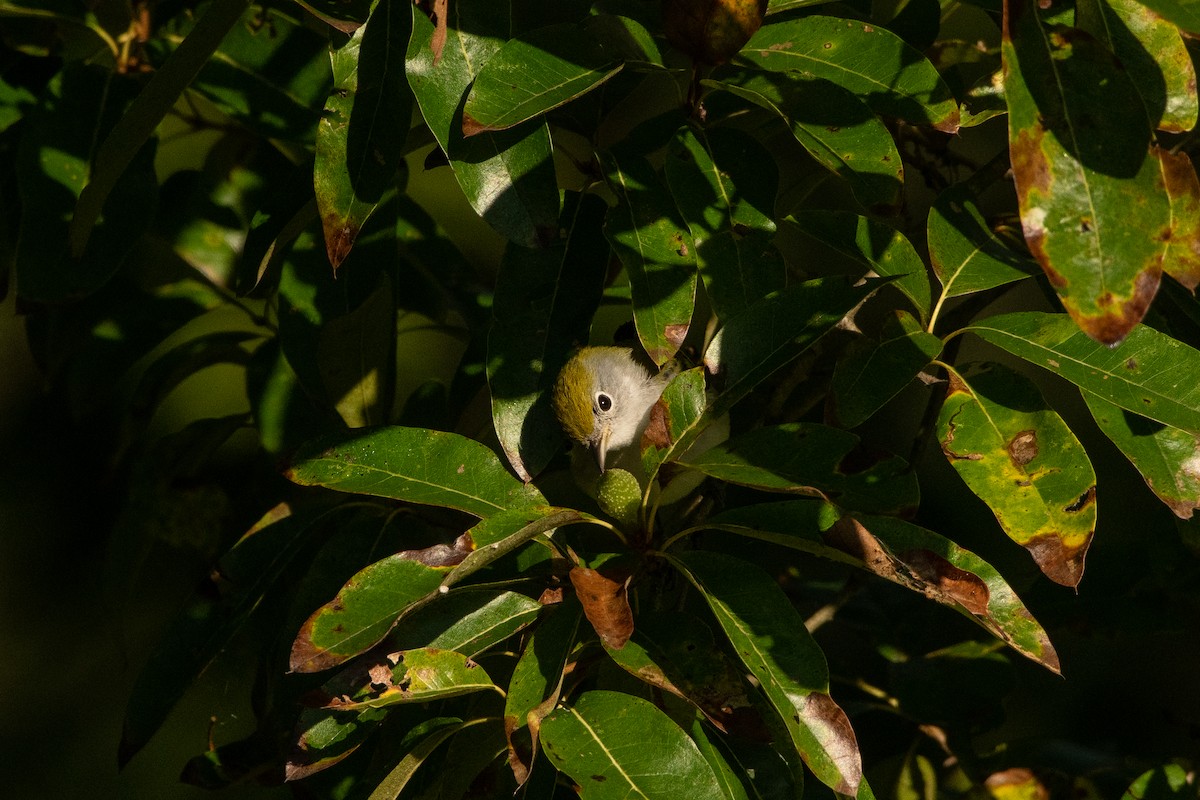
{"x": 444, "y": 603}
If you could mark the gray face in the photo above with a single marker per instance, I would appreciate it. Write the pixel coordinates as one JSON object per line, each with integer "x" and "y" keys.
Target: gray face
{"x": 622, "y": 395}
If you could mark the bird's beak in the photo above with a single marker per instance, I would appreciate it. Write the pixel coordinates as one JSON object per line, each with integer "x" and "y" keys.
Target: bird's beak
{"x": 600, "y": 448}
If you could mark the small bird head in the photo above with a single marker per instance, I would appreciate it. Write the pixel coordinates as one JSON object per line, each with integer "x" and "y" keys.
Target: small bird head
{"x": 603, "y": 399}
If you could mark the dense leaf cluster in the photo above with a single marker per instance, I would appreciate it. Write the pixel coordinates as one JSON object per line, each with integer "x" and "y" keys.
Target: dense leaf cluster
{"x": 809, "y": 211}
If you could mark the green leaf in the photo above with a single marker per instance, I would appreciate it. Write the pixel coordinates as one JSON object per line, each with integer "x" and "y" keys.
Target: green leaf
{"x": 965, "y": 255}
{"x": 724, "y": 186}
{"x": 507, "y": 176}
{"x": 137, "y": 125}
{"x": 872, "y": 245}
{"x": 53, "y": 165}
{"x": 873, "y": 370}
{"x": 769, "y": 637}
{"x": 1169, "y": 782}
{"x": 1152, "y": 51}
{"x": 1168, "y": 458}
{"x": 415, "y": 465}
{"x": 770, "y": 334}
{"x": 807, "y": 458}
{"x": 1184, "y": 13}
{"x": 1182, "y": 259}
{"x": 1150, "y": 373}
{"x": 361, "y": 134}
{"x": 898, "y": 551}
{"x": 1079, "y": 142}
{"x": 270, "y": 72}
{"x": 356, "y": 359}
{"x": 364, "y": 611}
{"x": 836, "y": 128}
{"x": 1020, "y": 458}
{"x": 616, "y": 746}
{"x": 731, "y": 784}
{"x": 543, "y": 307}
{"x": 324, "y": 738}
{"x": 887, "y": 73}
{"x": 410, "y": 676}
{"x": 468, "y": 621}
{"x": 656, "y": 247}
{"x": 682, "y": 403}
{"x": 551, "y": 66}
{"x": 344, "y": 15}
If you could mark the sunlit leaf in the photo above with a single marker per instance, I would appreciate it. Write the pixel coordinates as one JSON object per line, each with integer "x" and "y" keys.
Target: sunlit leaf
{"x": 1150, "y": 373}
{"x": 769, "y": 636}
{"x": 1020, "y": 458}
{"x": 1079, "y": 142}
{"x": 1182, "y": 259}
{"x": 410, "y": 676}
{"x": 1183, "y": 13}
{"x": 507, "y": 176}
{"x": 416, "y": 465}
{"x": 890, "y": 75}
{"x": 1152, "y": 51}
{"x": 617, "y": 746}
{"x": 1168, "y": 782}
{"x": 468, "y": 621}
{"x": 1168, "y": 458}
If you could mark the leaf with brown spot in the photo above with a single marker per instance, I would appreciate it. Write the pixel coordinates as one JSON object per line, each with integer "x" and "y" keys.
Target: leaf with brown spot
{"x": 1016, "y": 783}
{"x": 1182, "y": 260}
{"x": 880, "y": 545}
{"x": 1018, "y": 456}
{"x": 1089, "y": 189}
{"x": 769, "y": 637}
{"x": 605, "y": 602}
{"x": 413, "y": 676}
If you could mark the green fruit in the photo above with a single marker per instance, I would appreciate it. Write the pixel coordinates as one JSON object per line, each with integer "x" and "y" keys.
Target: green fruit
{"x": 711, "y": 31}
{"x": 619, "y": 495}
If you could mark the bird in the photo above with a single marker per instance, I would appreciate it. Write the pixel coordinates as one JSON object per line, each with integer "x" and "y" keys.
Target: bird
{"x": 603, "y": 398}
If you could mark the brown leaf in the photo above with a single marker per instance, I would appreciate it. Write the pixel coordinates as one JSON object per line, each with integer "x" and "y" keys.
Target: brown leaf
{"x": 441, "y": 555}
{"x": 832, "y": 727}
{"x": 937, "y": 576}
{"x": 849, "y": 536}
{"x": 1182, "y": 260}
{"x": 441, "y": 14}
{"x": 658, "y": 430}
{"x": 605, "y": 604}
{"x": 1059, "y": 563}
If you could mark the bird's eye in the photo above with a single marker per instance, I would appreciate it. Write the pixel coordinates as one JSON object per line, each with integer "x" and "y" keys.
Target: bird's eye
{"x": 603, "y": 402}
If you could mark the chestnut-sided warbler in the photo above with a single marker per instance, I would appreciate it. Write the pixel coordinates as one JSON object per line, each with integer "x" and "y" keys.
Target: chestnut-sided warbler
{"x": 603, "y": 399}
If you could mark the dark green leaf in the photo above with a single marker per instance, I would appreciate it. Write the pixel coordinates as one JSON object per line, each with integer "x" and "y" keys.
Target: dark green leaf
{"x": 769, "y": 637}
{"x": 1168, "y": 458}
{"x": 543, "y": 308}
{"x": 807, "y": 458}
{"x": 727, "y": 777}
{"x": 81, "y": 105}
{"x": 415, "y": 465}
{"x": 874, "y": 246}
{"x": 873, "y": 370}
{"x": 361, "y": 134}
{"x": 725, "y": 188}
{"x": 507, "y": 176}
{"x": 1079, "y": 142}
{"x": 1169, "y": 782}
{"x": 137, "y": 125}
{"x": 903, "y": 553}
{"x": 773, "y": 332}
{"x": 399, "y": 776}
{"x": 616, "y": 746}
{"x": 356, "y": 361}
{"x": 550, "y": 66}
{"x": 964, "y": 253}
{"x": 890, "y": 75}
{"x": 657, "y": 249}
{"x": 270, "y": 72}
{"x": 836, "y": 128}
{"x": 323, "y": 738}
{"x": 1150, "y": 373}
{"x": 682, "y": 405}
